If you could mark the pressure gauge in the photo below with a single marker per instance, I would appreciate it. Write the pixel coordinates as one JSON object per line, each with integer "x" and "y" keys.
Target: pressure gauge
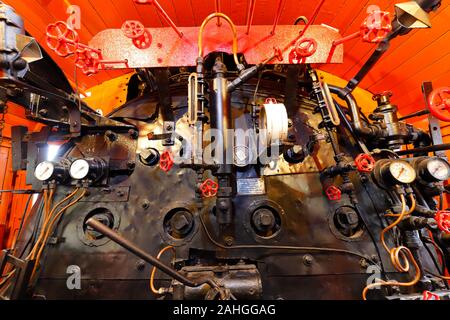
{"x": 389, "y": 173}
{"x": 402, "y": 172}
{"x": 79, "y": 169}
{"x": 438, "y": 168}
{"x": 44, "y": 170}
{"x": 52, "y": 170}
{"x": 432, "y": 169}
{"x": 88, "y": 168}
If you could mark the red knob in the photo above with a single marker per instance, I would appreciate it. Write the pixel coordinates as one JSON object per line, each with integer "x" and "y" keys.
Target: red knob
{"x": 62, "y": 39}
{"x": 364, "y": 162}
{"x": 439, "y": 103}
{"x": 209, "y": 188}
{"x": 166, "y": 161}
{"x": 442, "y": 218}
{"x": 427, "y": 295}
{"x": 333, "y": 193}
{"x": 376, "y": 26}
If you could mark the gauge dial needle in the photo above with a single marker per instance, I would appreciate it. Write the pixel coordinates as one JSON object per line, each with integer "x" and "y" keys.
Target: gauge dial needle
{"x": 400, "y": 173}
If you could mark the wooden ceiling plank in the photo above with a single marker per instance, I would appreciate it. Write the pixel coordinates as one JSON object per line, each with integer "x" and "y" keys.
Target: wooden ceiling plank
{"x": 351, "y": 50}
{"x": 409, "y": 47}
{"x": 297, "y": 8}
{"x": 361, "y": 49}
{"x": 168, "y": 6}
{"x": 107, "y": 12}
{"x": 407, "y": 90}
{"x": 184, "y": 13}
{"x": 407, "y": 97}
{"x": 415, "y": 63}
{"x": 201, "y": 9}
{"x": 237, "y": 10}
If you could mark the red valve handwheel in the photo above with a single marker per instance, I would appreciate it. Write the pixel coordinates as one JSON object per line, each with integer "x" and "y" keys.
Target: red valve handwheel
{"x": 333, "y": 193}
{"x": 166, "y": 161}
{"x": 364, "y": 162}
{"x": 442, "y": 218}
{"x": 133, "y": 29}
{"x": 62, "y": 39}
{"x": 427, "y": 295}
{"x": 209, "y": 188}
{"x": 376, "y": 26}
{"x": 439, "y": 103}
{"x": 88, "y": 60}
{"x": 144, "y": 41}
{"x": 303, "y": 49}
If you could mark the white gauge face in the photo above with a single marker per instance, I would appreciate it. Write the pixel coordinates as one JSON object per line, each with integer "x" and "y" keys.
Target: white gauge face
{"x": 79, "y": 169}
{"x": 438, "y": 169}
{"x": 402, "y": 171}
{"x": 44, "y": 170}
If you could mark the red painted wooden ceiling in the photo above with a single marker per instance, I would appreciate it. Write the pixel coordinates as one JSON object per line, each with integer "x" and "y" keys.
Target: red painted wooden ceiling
{"x": 420, "y": 55}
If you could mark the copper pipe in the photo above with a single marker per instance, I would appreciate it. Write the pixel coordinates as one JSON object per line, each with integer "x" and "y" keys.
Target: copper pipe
{"x": 233, "y": 29}
{"x": 277, "y": 16}
{"x": 251, "y": 11}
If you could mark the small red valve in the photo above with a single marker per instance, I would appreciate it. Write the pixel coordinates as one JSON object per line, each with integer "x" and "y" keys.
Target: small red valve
{"x": 442, "y": 218}
{"x": 333, "y": 193}
{"x": 270, "y": 101}
{"x": 364, "y": 162}
{"x": 303, "y": 49}
{"x": 376, "y": 26}
{"x": 439, "y": 103}
{"x": 88, "y": 60}
{"x": 62, "y": 39}
{"x": 278, "y": 53}
{"x": 209, "y": 188}
{"x": 166, "y": 161}
{"x": 427, "y": 295}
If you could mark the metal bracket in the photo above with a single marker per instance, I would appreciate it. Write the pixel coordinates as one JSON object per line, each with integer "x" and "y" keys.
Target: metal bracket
{"x": 21, "y": 275}
{"x": 434, "y": 125}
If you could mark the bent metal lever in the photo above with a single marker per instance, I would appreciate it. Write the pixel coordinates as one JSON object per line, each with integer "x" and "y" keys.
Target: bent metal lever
{"x": 125, "y": 243}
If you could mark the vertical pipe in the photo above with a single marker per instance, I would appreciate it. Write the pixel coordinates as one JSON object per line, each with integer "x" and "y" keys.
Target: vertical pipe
{"x": 313, "y": 17}
{"x": 218, "y": 23}
{"x": 221, "y": 120}
{"x": 277, "y": 16}
{"x": 167, "y": 18}
{"x": 251, "y": 11}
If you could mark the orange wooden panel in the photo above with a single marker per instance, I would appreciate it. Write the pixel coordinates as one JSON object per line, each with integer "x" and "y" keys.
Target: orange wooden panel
{"x": 352, "y": 53}
{"x": 414, "y": 99}
{"x": 401, "y": 74}
{"x": 5, "y": 183}
{"x": 410, "y": 47}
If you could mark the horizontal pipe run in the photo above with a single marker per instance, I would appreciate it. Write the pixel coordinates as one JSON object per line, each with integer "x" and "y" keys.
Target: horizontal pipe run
{"x": 125, "y": 243}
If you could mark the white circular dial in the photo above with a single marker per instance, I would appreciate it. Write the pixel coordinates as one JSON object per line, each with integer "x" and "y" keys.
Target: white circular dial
{"x": 438, "y": 169}
{"x": 79, "y": 169}
{"x": 44, "y": 170}
{"x": 402, "y": 171}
